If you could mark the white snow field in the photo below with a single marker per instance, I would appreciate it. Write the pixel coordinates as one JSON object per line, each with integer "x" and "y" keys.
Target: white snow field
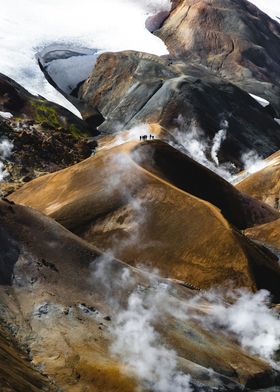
{"x": 28, "y": 26}
{"x": 270, "y": 7}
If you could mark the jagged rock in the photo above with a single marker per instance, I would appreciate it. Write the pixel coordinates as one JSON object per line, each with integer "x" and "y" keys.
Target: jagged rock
{"x": 232, "y": 38}
{"x": 150, "y": 204}
{"x": 132, "y": 88}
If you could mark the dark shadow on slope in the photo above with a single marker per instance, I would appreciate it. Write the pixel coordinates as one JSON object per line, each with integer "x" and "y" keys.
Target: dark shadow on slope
{"x": 9, "y": 255}
{"x": 183, "y": 172}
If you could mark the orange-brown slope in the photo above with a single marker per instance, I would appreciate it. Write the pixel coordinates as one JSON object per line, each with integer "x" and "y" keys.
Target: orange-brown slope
{"x": 54, "y": 308}
{"x": 144, "y": 218}
{"x": 59, "y": 310}
{"x": 264, "y": 185}
{"x": 180, "y": 170}
{"x": 16, "y": 373}
{"x": 268, "y": 234}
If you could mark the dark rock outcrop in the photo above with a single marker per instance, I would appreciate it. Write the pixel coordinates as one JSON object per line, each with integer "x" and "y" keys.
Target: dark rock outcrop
{"x": 131, "y": 88}
{"x": 45, "y": 136}
{"x": 151, "y": 205}
{"x": 233, "y": 38}
{"x": 25, "y": 106}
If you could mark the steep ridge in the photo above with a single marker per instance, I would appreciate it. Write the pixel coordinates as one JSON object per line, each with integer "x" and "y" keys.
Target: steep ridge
{"x": 193, "y": 178}
{"x": 64, "y": 318}
{"x": 131, "y": 88}
{"x": 144, "y": 218}
{"x": 21, "y": 104}
{"x": 264, "y": 185}
{"x": 233, "y": 38}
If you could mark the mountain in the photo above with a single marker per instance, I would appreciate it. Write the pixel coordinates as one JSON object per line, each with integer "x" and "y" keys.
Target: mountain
{"x": 128, "y": 201}
{"x": 187, "y": 100}
{"x": 67, "y": 322}
{"x": 139, "y": 237}
{"x": 233, "y": 38}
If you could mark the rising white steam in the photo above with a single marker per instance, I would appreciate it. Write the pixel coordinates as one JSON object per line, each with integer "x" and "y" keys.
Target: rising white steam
{"x": 191, "y": 140}
{"x": 271, "y": 8}
{"x": 6, "y": 148}
{"x": 140, "y": 347}
{"x": 27, "y": 26}
{"x": 137, "y": 342}
{"x": 218, "y": 140}
{"x": 253, "y": 162}
{"x": 250, "y": 317}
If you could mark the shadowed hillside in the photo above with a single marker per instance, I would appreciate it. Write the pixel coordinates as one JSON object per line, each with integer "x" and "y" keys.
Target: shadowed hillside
{"x": 145, "y": 216}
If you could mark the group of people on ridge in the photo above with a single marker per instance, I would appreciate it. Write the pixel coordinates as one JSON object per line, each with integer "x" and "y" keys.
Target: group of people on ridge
{"x": 146, "y": 137}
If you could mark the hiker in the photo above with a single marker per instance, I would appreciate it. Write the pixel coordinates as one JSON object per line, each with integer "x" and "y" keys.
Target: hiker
{"x": 140, "y": 138}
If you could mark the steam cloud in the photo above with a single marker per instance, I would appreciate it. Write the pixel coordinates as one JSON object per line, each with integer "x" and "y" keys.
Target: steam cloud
{"x": 136, "y": 342}
{"x": 191, "y": 140}
{"x": 140, "y": 347}
{"x": 6, "y": 148}
{"x": 218, "y": 140}
{"x": 139, "y": 305}
{"x": 250, "y": 317}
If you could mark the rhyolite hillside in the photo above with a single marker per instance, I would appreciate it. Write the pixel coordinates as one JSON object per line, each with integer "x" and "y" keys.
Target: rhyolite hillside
{"x": 140, "y": 242}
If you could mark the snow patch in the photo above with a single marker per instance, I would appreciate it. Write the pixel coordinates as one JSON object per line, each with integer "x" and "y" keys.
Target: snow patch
{"x": 68, "y": 66}
{"x": 192, "y": 141}
{"x": 263, "y": 102}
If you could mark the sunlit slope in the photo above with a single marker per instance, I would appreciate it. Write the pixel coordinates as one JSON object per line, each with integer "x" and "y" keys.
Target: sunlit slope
{"x": 268, "y": 234}
{"x": 64, "y": 315}
{"x": 143, "y": 217}
{"x": 264, "y": 185}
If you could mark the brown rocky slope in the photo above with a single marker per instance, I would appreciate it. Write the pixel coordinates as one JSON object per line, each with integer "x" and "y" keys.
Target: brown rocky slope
{"x": 148, "y": 215}
{"x": 64, "y": 318}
